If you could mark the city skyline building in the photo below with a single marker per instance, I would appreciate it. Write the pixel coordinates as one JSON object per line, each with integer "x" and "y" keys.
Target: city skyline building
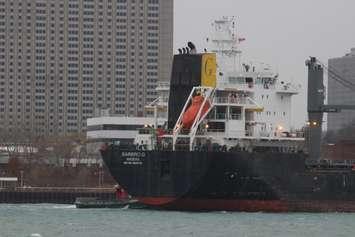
{"x": 62, "y": 61}
{"x": 338, "y": 94}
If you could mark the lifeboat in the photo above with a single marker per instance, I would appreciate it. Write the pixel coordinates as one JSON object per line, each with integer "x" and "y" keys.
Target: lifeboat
{"x": 191, "y": 113}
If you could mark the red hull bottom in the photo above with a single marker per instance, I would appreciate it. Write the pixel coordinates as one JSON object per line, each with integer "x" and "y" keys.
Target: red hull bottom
{"x": 188, "y": 204}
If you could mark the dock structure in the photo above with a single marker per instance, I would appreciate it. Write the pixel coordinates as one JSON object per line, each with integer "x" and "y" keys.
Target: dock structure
{"x": 8, "y": 182}
{"x": 53, "y": 194}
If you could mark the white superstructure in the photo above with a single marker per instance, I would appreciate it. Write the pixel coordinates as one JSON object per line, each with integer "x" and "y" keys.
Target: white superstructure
{"x": 250, "y": 105}
{"x": 249, "y": 84}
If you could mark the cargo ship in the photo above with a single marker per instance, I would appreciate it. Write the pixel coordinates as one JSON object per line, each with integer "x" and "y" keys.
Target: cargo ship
{"x": 228, "y": 143}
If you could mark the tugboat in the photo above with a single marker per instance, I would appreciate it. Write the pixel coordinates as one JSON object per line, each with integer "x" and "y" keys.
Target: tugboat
{"x": 229, "y": 144}
{"x": 122, "y": 200}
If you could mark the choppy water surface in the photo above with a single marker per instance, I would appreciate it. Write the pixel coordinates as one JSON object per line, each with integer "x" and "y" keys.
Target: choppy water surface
{"x": 48, "y": 220}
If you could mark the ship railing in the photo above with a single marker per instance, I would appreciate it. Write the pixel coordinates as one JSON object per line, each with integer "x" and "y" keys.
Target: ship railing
{"x": 166, "y": 132}
{"x": 185, "y": 132}
{"x": 243, "y": 86}
{"x": 209, "y": 130}
{"x": 237, "y": 100}
{"x": 230, "y": 100}
{"x": 215, "y": 130}
{"x": 223, "y": 116}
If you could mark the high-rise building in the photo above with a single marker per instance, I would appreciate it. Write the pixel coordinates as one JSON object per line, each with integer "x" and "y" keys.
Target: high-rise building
{"x": 343, "y": 67}
{"x": 60, "y": 61}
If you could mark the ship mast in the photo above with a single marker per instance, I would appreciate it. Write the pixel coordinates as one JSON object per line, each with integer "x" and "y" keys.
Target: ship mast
{"x": 225, "y": 41}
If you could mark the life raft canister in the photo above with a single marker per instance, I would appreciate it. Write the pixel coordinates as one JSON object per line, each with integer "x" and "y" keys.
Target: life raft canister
{"x": 191, "y": 113}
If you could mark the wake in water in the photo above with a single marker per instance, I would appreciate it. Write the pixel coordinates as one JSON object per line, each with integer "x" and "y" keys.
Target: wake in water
{"x": 35, "y": 235}
{"x": 64, "y": 207}
{"x": 125, "y": 207}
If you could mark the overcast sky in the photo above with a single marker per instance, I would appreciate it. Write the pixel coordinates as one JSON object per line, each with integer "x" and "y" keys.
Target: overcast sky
{"x": 282, "y": 33}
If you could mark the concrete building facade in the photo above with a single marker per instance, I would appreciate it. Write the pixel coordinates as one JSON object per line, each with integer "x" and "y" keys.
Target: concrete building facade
{"x": 343, "y": 67}
{"x": 61, "y": 61}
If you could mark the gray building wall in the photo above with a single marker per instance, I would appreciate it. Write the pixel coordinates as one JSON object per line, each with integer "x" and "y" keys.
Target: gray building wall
{"x": 338, "y": 94}
{"x": 61, "y": 61}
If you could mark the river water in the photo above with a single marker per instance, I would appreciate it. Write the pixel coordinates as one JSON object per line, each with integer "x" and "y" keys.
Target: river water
{"x": 49, "y": 220}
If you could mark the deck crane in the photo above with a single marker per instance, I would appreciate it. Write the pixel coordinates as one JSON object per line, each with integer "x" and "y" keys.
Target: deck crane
{"x": 316, "y": 106}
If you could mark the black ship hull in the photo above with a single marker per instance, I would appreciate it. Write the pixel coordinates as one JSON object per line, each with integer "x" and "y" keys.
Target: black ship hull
{"x": 231, "y": 181}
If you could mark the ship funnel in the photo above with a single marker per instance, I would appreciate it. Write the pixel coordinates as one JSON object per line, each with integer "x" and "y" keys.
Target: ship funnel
{"x": 188, "y": 71}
